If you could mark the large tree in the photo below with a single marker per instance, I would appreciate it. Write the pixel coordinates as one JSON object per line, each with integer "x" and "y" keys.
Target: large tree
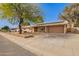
{"x": 21, "y": 13}
{"x": 71, "y": 14}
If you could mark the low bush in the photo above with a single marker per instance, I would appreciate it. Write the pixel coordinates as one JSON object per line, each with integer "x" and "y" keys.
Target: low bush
{"x": 5, "y": 29}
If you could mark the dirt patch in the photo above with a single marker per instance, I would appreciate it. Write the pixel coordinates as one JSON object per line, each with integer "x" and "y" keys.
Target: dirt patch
{"x": 26, "y": 35}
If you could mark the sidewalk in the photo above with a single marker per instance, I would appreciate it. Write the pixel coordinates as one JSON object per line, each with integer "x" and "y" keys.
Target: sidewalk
{"x": 47, "y": 46}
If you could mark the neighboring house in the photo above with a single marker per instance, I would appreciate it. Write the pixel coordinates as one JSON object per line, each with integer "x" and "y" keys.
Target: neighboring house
{"x": 13, "y": 29}
{"x": 24, "y": 29}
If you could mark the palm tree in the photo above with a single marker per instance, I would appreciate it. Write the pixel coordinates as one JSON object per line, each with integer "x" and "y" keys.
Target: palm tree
{"x": 21, "y": 13}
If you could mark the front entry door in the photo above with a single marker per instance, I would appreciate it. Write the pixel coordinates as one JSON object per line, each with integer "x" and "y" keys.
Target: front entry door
{"x": 41, "y": 29}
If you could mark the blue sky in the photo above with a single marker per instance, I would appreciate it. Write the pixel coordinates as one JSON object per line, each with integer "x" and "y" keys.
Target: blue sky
{"x": 50, "y": 12}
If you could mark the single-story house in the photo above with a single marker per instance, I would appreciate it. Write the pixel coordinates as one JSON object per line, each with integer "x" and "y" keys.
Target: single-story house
{"x": 13, "y": 29}
{"x": 55, "y": 27}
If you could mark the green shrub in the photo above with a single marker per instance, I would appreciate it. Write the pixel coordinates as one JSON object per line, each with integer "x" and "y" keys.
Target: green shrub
{"x": 5, "y": 29}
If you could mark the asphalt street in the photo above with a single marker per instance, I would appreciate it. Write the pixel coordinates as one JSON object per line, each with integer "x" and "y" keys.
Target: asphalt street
{"x": 8, "y": 48}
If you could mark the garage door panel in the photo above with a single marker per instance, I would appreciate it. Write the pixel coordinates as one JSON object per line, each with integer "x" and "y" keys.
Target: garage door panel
{"x": 56, "y": 29}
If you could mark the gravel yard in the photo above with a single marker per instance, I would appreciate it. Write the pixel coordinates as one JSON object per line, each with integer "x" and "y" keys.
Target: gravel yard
{"x": 49, "y": 44}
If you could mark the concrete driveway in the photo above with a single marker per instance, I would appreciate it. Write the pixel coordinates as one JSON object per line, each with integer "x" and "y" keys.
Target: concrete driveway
{"x": 8, "y": 48}
{"x": 49, "y": 44}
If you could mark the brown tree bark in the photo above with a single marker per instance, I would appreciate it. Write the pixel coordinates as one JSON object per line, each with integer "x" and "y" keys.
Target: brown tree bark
{"x": 20, "y": 26}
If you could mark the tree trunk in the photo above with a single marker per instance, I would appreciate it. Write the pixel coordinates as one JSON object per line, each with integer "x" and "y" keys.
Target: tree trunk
{"x": 72, "y": 27}
{"x": 20, "y": 27}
